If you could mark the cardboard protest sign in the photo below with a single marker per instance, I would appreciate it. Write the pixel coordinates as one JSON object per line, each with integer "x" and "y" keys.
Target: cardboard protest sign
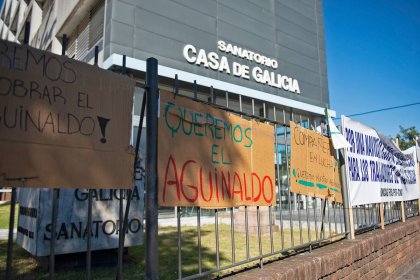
{"x": 210, "y": 158}
{"x": 377, "y": 171}
{"x": 63, "y": 123}
{"x": 313, "y": 167}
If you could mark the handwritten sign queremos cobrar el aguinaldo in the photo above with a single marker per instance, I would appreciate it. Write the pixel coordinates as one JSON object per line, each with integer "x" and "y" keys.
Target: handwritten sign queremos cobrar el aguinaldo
{"x": 211, "y": 158}
{"x": 63, "y": 123}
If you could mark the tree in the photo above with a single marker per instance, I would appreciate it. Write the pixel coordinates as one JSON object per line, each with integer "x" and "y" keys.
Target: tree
{"x": 407, "y": 137}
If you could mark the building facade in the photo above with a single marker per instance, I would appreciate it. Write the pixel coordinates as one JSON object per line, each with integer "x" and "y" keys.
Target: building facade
{"x": 271, "y": 51}
{"x": 262, "y": 57}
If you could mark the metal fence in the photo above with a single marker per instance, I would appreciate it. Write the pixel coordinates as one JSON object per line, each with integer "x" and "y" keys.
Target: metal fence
{"x": 222, "y": 239}
{"x": 367, "y": 217}
{"x": 213, "y": 240}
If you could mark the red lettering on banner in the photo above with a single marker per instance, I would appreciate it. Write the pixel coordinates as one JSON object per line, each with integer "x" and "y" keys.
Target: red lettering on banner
{"x": 256, "y": 198}
{"x": 236, "y": 179}
{"x": 268, "y": 200}
{"x": 247, "y": 198}
{"x": 192, "y": 184}
{"x": 225, "y": 186}
{"x": 193, "y": 187}
{"x": 175, "y": 182}
{"x": 210, "y": 185}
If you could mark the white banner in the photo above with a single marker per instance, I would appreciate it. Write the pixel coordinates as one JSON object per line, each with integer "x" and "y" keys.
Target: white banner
{"x": 376, "y": 170}
{"x": 34, "y": 224}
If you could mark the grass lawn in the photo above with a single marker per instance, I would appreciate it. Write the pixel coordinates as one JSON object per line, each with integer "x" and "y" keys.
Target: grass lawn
{"x": 5, "y": 215}
{"x": 25, "y": 267}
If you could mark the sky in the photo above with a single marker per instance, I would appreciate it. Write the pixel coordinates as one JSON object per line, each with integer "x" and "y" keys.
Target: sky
{"x": 373, "y": 60}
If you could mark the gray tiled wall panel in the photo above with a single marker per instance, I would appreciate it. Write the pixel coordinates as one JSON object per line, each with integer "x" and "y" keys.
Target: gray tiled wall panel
{"x": 295, "y": 17}
{"x": 249, "y": 9}
{"x": 297, "y": 31}
{"x": 172, "y": 29}
{"x": 300, "y": 7}
{"x": 291, "y": 31}
{"x": 203, "y": 6}
{"x": 180, "y": 13}
{"x": 249, "y": 24}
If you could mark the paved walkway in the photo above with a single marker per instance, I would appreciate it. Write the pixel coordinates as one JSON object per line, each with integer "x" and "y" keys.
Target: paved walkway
{"x": 412, "y": 274}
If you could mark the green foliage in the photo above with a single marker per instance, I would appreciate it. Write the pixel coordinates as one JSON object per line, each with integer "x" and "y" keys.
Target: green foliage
{"x": 26, "y": 267}
{"x": 5, "y": 215}
{"x": 407, "y": 137}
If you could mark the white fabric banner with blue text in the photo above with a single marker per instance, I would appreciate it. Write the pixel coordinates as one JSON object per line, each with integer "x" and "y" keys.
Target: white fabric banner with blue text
{"x": 377, "y": 171}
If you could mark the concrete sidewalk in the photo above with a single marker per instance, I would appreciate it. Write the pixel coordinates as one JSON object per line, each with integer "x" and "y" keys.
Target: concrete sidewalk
{"x": 412, "y": 274}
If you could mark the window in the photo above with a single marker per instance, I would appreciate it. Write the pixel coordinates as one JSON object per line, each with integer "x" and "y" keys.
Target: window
{"x": 87, "y": 33}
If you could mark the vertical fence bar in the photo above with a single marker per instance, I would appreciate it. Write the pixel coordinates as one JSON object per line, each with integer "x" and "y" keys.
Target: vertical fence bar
{"x": 278, "y": 179}
{"x": 54, "y": 203}
{"x": 232, "y": 233}
{"x": 124, "y": 63}
{"x": 323, "y": 205}
{"x": 246, "y": 207}
{"x": 298, "y": 197}
{"x": 329, "y": 216}
{"x": 64, "y": 45}
{"x": 178, "y": 226}
{"x": 216, "y": 224}
{"x": 347, "y": 210}
{"x": 89, "y": 238}
{"x": 334, "y": 204}
{"x": 259, "y": 236}
{"x": 120, "y": 236}
{"x": 10, "y": 236}
{"x": 54, "y": 210}
{"x": 402, "y": 211}
{"x": 343, "y": 219}
{"x": 307, "y": 218}
{"x": 195, "y": 89}
{"x": 27, "y": 33}
{"x": 227, "y": 99}
{"x": 211, "y": 99}
{"x": 288, "y": 192}
{"x": 199, "y": 239}
{"x": 95, "y": 61}
{"x": 315, "y": 217}
{"x": 89, "y": 213}
{"x": 232, "y": 217}
{"x": 270, "y": 208}
{"x": 152, "y": 257}
{"x": 357, "y": 216}
{"x": 382, "y": 216}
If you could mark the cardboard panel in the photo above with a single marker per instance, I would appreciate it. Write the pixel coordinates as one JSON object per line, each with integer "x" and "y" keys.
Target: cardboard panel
{"x": 313, "y": 167}
{"x": 63, "y": 123}
{"x": 210, "y": 158}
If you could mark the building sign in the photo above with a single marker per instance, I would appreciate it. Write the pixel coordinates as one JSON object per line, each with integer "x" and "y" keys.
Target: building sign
{"x": 63, "y": 123}
{"x": 258, "y": 73}
{"x": 313, "y": 166}
{"x": 376, "y": 170}
{"x": 34, "y": 224}
{"x": 210, "y": 158}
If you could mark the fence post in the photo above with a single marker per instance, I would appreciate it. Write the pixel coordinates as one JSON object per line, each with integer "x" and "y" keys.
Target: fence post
{"x": 402, "y": 212}
{"x": 10, "y": 236}
{"x": 381, "y": 213}
{"x": 348, "y": 211}
{"x": 152, "y": 100}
